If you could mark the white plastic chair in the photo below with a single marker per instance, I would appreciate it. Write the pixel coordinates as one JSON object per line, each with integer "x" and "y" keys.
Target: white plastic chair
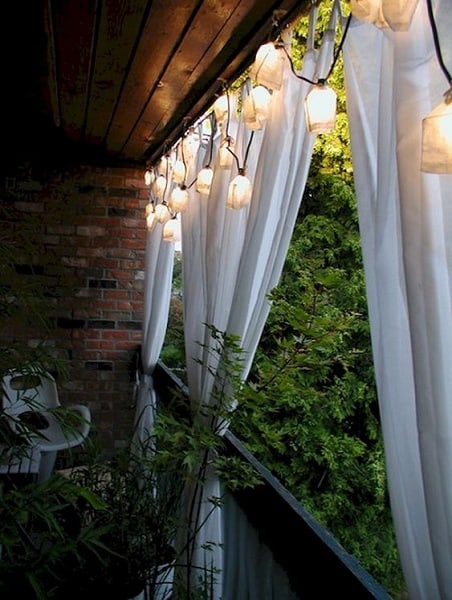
{"x": 31, "y": 398}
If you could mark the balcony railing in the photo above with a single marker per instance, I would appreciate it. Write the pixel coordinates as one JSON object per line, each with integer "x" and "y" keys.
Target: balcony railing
{"x": 275, "y": 546}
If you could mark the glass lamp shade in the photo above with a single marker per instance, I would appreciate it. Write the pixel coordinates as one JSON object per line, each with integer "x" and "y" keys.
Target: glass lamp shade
{"x": 267, "y": 69}
{"x": 437, "y": 140}
{"x": 239, "y": 192}
{"x": 226, "y": 158}
{"x": 368, "y": 11}
{"x": 179, "y": 172}
{"x": 159, "y": 186}
{"x": 162, "y": 214}
{"x": 188, "y": 148}
{"x": 320, "y": 109}
{"x": 204, "y": 181}
{"x": 171, "y": 231}
{"x": 179, "y": 199}
{"x": 399, "y": 13}
{"x": 220, "y": 108}
{"x": 150, "y": 220}
{"x": 148, "y": 177}
{"x": 164, "y": 166}
{"x": 256, "y": 107}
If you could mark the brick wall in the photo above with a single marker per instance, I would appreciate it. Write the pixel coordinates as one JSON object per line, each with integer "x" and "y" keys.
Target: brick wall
{"x": 89, "y": 230}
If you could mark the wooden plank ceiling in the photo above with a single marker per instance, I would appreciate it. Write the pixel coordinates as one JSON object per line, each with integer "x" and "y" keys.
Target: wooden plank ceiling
{"x": 118, "y": 80}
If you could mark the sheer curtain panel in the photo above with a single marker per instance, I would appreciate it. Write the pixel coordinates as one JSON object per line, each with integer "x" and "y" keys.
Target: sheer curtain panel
{"x": 393, "y": 80}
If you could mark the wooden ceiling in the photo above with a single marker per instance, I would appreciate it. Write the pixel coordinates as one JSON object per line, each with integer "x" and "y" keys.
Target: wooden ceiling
{"x": 118, "y": 80}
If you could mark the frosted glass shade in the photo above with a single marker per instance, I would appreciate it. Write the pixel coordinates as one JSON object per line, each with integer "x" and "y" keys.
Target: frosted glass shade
{"x": 399, "y": 13}
{"x": 256, "y": 107}
{"x": 437, "y": 140}
{"x": 148, "y": 177}
{"x": 204, "y": 180}
{"x": 239, "y": 192}
{"x": 220, "y": 108}
{"x": 178, "y": 199}
{"x": 159, "y": 186}
{"x": 320, "y": 109}
{"x": 162, "y": 214}
{"x": 267, "y": 69}
{"x": 171, "y": 231}
{"x": 179, "y": 172}
{"x": 226, "y": 158}
{"x": 150, "y": 220}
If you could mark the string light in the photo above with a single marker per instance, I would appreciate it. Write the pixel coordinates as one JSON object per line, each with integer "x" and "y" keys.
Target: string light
{"x": 239, "y": 191}
{"x": 320, "y": 108}
{"x": 205, "y": 176}
{"x": 179, "y": 199}
{"x": 171, "y": 231}
{"x": 256, "y": 107}
{"x": 267, "y": 68}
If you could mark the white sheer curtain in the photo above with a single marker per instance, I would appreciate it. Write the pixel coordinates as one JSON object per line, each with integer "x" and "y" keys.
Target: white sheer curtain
{"x": 233, "y": 258}
{"x": 393, "y": 80}
{"x": 159, "y": 262}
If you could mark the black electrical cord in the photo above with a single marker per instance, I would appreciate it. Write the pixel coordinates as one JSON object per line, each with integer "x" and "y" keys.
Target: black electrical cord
{"x": 436, "y": 42}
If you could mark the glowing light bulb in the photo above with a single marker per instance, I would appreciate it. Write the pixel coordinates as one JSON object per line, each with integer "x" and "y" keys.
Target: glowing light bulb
{"x": 162, "y": 214}
{"x": 437, "y": 138}
{"x": 239, "y": 192}
{"x": 171, "y": 231}
{"x": 204, "y": 180}
{"x": 179, "y": 199}
{"x": 226, "y": 158}
{"x": 256, "y": 107}
{"x": 159, "y": 186}
{"x": 179, "y": 172}
{"x": 320, "y": 109}
{"x": 267, "y": 69}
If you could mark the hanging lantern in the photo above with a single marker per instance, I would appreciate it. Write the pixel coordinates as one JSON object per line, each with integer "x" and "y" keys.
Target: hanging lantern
{"x": 437, "y": 138}
{"x": 150, "y": 216}
{"x": 226, "y": 158}
{"x": 368, "y": 11}
{"x": 399, "y": 13}
{"x": 179, "y": 199}
{"x": 220, "y": 108}
{"x": 164, "y": 166}
{"x": 148, "y": 177}
{"x": 162, "y": 214}
{"x": 204, "y": 180}
{"x": 159, "y": 186}
{"x": 256, "y": 107}
{"x": 239, "y": 192}
{"x": 267, "y": 69}
{"x": 320, "y": 108}
{"x": 179, "y": 172}
{"x": 171, "y": 231}
{"x": 188, "y": 148}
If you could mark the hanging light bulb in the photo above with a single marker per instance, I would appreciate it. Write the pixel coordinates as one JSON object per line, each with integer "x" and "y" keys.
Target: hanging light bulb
{"x": 159, "y": 186}
{"x": 150, "y": 216}
{"x": 188, "y": 148}
{"x": 239, "y": 192}
{"x": 398, "y": 13}
{"x": 226, "y": 158}
{"x": 171, "y": 231}
{"x": 179, "y": 199}
{"x": 148, "y": 177}
{"x": 320, "y": 108}
{"x": 267, "y": 68}
{"x": 221, "y": 108}
{"x": 204, "y": 180}
{"x": 437, "y": 138}
{"x": 162, "y": 214}
{"x": 256, "y": 107}
{"x": 164, "y": 165}
{"x": 179, "y": 171}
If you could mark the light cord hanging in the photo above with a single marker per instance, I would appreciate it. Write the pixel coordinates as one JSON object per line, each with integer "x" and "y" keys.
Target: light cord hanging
{"x": 333, "y": 63}
{"x": 437, "y": 44}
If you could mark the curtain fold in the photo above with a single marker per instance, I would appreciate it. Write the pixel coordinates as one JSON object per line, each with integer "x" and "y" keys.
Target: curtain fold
{"x": 159, "y": 260}
{"x": 392, "y": 81}
{"x": 233, "y": 258}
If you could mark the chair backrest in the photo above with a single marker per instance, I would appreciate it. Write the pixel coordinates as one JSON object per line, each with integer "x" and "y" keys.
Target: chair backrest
{"x": 29, "y": 391}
